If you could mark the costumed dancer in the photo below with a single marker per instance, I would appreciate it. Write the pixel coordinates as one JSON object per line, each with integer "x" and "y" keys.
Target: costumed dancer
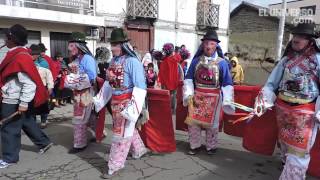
{"x": 21, "y": 90}
{"x": 127, "y": 79}
{"x": 82, "y": 81}
{"x": 207, "y": 88}
{"x": 293, "y": 88}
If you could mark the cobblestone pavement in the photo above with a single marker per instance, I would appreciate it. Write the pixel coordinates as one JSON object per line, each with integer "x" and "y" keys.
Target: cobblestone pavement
{"x": 231, "y": 161}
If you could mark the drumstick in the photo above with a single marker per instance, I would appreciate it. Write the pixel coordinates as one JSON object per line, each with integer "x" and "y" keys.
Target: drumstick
{"x": 9, "y": 118}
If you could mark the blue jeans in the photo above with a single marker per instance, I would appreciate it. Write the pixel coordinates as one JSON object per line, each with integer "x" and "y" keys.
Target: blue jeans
{"x": 11, "y": 133}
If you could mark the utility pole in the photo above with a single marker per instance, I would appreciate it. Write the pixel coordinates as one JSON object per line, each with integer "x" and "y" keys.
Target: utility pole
{"x": 281, "y": 29}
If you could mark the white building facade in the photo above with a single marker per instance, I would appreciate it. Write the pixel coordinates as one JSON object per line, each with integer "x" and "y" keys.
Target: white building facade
{"x": 174, "y": 21}
{"x": 150, "y": 23}
{"x": 50, "y": 21}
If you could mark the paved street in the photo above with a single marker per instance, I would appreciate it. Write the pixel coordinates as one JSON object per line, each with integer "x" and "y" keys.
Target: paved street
{"x": 231, "y": 162}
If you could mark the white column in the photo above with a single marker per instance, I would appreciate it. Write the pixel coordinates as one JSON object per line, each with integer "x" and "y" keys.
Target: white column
{"x": 45, "y": 39}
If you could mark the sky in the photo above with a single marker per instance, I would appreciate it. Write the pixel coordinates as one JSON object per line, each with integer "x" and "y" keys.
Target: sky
{"x": 235, "y": 3}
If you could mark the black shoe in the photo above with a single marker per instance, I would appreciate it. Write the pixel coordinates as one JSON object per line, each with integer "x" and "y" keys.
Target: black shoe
{"x": 93, "y": 140}
{"x": 193, "y": 151}
{"x": 211, "y": 151}
{"x": 76, "y": 150}
{"x": 46, "y": 148}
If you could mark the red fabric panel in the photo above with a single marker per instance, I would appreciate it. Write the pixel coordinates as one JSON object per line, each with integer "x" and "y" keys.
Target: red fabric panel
{"x": 181, "y": 111}
{"x": 52, "y": 66}
{"x": 260, "y": 134}
{"x": 244, "y": 95}
{"x": 168, "y": 73}
{"x": 314, "y": 166}
{"x": 158, "y": 132}
{"x": 101, "y": 116}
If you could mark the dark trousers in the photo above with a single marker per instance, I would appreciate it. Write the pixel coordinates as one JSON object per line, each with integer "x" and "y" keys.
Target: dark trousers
{"x": 11, "y": 133}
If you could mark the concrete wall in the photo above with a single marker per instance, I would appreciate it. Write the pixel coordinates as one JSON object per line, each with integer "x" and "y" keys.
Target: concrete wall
{"x": 253, "y": 35}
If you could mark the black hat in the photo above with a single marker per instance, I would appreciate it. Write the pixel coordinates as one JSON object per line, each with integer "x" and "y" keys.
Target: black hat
{"x": 58, "y": 54}
{"x": 118, "y": 35}
{"x": 78, "y": 37}
{"x": 18, "y": 34}
{"x": 42, "y": 47}
{"x": 211, "y": 35}
{"x": 35, "y": 49}
{"x": 307, "y": 29}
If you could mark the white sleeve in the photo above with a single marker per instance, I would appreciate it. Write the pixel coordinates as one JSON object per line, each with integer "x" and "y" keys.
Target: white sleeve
{"x": 49, "y": 79}
{"x": 268, "y": 97}
{"x": 28, "y": 89}
{"x": 103, "y": 97}
{"x": 228, "y": 96}
{"x": 188, "y": 90}
{"x": 317, "y": 109}
{"x": 132, "y": 111}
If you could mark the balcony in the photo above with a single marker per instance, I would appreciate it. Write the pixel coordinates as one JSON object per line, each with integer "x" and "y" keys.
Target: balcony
{"x": 207, "y": 15}
{"x": 143, "y": 9}
{"x": 84, "y": 7}
{"x": 78, "y": 12}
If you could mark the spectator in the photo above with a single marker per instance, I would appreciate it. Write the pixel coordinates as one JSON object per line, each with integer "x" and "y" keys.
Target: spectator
{"x": 151, "y": 76}
{"x": 47, "y": 81}
{"x": 52, "y": 64}
{"x": 169, "y": 72}
{"x": 237, "y": 71}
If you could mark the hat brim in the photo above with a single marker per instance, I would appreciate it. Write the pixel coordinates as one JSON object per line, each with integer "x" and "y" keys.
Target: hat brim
{"x": 305, "y": 34}
{"x": 216, "y": 40}
{"x": 76, "y": 41}
{"x": 118, "y": 41}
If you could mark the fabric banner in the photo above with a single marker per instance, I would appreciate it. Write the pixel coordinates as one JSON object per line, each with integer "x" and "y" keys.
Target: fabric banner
{"x": 101, "y": 116}
{"x": 261, "y": 134}
{"x": 158, "y": 132}
{"x": 244, "y": 95}
{"x": 314, "y": 166}
{"x": 181, "y": 111}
